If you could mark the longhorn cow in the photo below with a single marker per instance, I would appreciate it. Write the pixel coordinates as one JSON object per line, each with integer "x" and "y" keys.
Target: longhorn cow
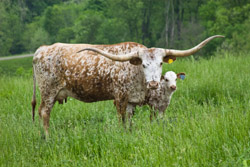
{"x": 92, "y": 73}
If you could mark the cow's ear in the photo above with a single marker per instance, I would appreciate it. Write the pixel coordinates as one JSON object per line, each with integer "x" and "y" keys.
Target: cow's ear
{"x": 169, "y": 59}
{"x": 181, "y": 75}
{"x": 135, "y": 61}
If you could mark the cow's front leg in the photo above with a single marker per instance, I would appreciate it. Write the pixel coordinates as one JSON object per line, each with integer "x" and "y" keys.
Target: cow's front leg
{"x": 121, "y": 106}
{"x": 130, "y": 112}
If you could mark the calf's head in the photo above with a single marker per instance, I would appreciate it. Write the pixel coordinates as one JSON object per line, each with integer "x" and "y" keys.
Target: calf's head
{"x": 151, "y": 59}
{"x": 169, "y": 80}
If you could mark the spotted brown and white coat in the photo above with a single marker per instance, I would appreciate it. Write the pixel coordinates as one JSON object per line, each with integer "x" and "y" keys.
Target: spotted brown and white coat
{"x": 93, "y": 73}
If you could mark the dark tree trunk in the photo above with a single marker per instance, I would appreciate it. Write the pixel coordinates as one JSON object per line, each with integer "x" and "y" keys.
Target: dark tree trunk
{"x": 146, "y": 34}
{"x": 167, "y": 24}
{"x": 173, "y": 25}
{"x": 179, "y": 15}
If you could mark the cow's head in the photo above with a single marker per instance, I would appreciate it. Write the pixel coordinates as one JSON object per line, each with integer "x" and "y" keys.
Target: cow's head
{"x": 151, "y": 59}
{"x": 169, "y": 80}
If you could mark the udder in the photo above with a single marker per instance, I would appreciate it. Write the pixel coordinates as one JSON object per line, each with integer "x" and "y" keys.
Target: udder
{"x": 62, "y": 96}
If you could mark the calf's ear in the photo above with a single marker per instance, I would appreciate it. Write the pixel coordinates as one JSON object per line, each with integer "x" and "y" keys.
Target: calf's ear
{"x": 181, "y": 75}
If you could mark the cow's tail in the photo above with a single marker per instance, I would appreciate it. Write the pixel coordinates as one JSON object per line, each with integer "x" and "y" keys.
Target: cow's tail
{"x": 33, "y": 102}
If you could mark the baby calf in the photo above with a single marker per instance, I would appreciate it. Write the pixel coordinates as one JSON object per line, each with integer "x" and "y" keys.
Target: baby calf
{"x": 159, "y": 99}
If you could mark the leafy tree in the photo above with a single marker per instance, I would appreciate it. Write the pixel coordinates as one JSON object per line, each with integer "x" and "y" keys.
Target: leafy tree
{"x": 66, "y": 35}
{"x": 27, "y": 24}
{"x": 5, "y": 40}
{"x": 229, "y": 18}
{"x": 86, "y": 27}
{"x": 60, "y": 17}
{"x": 35, "y": 35}
{"x": 112, "y": 31}
{"x": 10, "y": 30}
{"x": 37, "y": 7}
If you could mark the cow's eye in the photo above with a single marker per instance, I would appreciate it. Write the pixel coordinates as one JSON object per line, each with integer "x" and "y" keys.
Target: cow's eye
{"x": 161, "y": 64}
{"x": 166, "y": 80}
{"x": 143, "y": 65}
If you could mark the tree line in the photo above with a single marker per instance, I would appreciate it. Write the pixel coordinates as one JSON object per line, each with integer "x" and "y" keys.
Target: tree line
{"x": 179, "y": 24}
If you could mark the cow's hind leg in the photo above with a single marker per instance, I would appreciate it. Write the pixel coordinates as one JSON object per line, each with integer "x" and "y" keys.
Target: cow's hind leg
{"x": 40, "y": 110}
{"x": 44, "y": 114}
{"x": 47, "y": 103}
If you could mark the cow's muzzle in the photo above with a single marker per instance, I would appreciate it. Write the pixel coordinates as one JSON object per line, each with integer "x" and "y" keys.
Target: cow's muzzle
{"x": 173, "y": 87}
{"x": 153, "y": 85}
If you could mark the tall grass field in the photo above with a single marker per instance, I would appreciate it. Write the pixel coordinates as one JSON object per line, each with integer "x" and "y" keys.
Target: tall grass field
{"x": 207, "y": 123}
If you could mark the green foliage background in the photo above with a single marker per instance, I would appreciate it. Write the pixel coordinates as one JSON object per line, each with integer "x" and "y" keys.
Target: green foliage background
{"x": 179, "y": 24}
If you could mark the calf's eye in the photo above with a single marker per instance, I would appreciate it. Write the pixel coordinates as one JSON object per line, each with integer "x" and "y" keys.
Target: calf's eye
{"x": 161, "y": 64}
{"x": 143, "y": 65}
{"x": 166, "y": 80}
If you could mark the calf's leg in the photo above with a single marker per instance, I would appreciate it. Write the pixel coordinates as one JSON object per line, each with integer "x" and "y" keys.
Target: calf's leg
{"x": 152, "y": 115}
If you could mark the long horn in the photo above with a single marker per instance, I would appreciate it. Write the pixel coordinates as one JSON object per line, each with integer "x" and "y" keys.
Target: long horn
{"x": 183, "y": 53}
{"x": 121, "y": 58}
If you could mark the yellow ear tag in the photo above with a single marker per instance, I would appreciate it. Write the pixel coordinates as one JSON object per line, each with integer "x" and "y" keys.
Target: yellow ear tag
{"x": 170, "y": 61}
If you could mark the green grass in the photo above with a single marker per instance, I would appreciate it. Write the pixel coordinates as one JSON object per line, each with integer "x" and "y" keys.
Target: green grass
{"x": 16, "y": 66}
{"x": 206, "y": 124}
